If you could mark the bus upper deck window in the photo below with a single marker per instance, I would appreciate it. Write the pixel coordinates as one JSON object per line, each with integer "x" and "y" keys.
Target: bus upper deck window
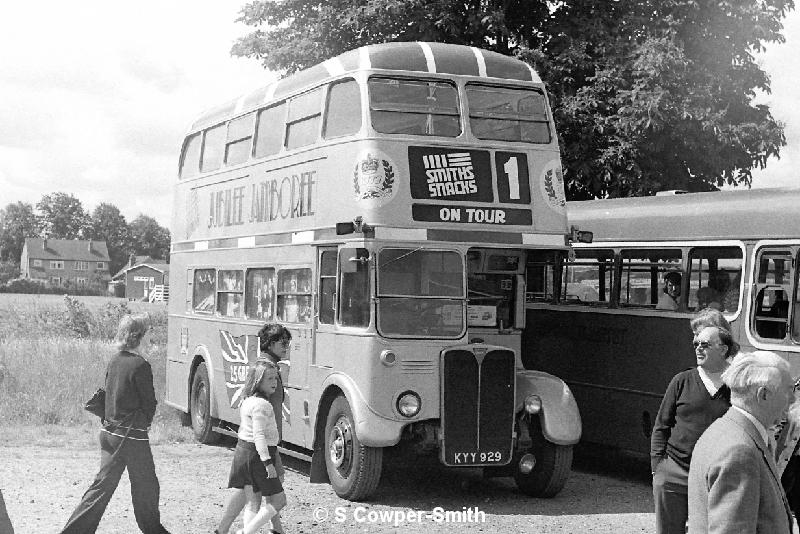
{"x": 269, "y": 135}
{"x": 213, "y": 148}
{"x": 508, "y": 114}
{"x": 240, "y": 136}
{"x": 343, "y": 112}
{"x": 415, "y": 107}
{"x": 190, "y": 163}
{"x": 303, "y": 121}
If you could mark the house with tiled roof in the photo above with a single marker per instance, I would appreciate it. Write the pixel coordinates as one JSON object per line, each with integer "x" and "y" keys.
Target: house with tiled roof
{"x": 144, "y": 278}
{"x": 65, "y": 262}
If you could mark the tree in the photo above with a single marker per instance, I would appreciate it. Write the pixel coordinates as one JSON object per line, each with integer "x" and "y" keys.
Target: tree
{"x": 62, "y": 216}
{"x": 646, "y": 94}
{"x": 150, "y": 238}
{"x": 17, "y": 221}
{"x": 109, "y": 225}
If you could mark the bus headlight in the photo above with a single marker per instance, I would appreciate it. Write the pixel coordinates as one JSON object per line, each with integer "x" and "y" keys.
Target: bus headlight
{"x": 408, "y": 404}
{"x": 388, "y": 358}
{"x": 533, "y": 404}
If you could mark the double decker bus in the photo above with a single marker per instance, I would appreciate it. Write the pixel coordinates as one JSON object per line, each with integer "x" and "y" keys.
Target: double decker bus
{"x": 387, "y": 206}
{"x": 736, "y": 251}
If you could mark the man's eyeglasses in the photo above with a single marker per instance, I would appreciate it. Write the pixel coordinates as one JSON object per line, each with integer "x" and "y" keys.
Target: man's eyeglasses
{"x": 703, "y": 345}
{"x": 285, "y": 342}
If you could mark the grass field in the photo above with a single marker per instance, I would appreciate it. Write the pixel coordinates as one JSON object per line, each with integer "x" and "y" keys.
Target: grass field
{"x": 53, "y": 355}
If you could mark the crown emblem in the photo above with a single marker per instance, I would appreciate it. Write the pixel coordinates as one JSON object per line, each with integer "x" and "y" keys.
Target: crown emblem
{"x": 369, "y": 165}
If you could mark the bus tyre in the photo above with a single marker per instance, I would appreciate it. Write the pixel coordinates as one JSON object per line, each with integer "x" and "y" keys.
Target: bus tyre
{"x": 553, "y": 465}
{"x": 353, "y": 469}
{"x": 200, "y": 406}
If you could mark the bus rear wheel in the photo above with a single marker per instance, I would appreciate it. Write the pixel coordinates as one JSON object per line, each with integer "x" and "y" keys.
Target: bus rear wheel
{"x": 200, "y": 405}
{"x": 353, "y": 469}
{"x": 551, "y": 471}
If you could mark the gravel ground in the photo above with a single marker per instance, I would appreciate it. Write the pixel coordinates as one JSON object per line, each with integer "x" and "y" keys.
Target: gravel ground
{"x": 43, "y": 482}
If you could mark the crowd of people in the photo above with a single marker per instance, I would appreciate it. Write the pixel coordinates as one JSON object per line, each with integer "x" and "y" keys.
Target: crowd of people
{"x": 724, "y": 446}
{"x": 724, "y": 443}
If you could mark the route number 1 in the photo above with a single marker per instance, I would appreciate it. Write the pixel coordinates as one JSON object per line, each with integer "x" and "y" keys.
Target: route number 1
{"x": 511, "y": 168}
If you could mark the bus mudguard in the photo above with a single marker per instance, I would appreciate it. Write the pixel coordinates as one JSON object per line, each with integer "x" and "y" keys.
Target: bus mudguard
{"x": 201, "y": 355}
{"x": 560, "y": 418}
{"x": 373, "y": 429}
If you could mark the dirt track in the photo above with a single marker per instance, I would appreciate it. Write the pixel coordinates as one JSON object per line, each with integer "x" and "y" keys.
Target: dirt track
{"x": 41, "y": 485}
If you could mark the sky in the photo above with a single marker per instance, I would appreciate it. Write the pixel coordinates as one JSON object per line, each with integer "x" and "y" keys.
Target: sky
{"x": 95, "y": 96}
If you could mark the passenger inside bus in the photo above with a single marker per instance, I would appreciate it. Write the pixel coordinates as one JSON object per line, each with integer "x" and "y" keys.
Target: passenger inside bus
{"x": 772, "y": 312}
{"x": 708, "y": 297}
{"x": 669, "y": 298}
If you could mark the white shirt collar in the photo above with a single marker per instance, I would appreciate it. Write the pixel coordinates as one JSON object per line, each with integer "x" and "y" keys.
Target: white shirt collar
{"x": 761, "y": 430}
{"x": 707, "y": 382}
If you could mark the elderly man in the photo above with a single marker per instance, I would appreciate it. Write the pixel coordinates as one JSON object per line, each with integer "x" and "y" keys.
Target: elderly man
{"x": 734, "y": 486}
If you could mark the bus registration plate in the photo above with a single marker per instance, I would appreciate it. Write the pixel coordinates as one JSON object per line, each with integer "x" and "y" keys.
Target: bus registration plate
{"x": 477, "y": 457}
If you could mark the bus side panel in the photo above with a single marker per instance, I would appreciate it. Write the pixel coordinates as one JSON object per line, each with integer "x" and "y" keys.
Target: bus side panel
{"x": 617, "y": 365}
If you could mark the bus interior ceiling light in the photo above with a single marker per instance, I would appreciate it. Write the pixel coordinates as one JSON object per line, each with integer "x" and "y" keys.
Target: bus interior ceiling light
{"x": 533, "y": 404}
{"x": 408, "y": 404}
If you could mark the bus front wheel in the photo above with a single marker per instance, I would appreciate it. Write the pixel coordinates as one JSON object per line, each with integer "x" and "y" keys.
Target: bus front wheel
{"x": 202, "y": 422}
{"x": 551, "y": 471}
{"x": 353, "y": 469}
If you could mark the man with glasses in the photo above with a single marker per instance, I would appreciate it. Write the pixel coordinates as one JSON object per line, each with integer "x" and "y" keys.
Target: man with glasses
{"x": 694, "y": 399}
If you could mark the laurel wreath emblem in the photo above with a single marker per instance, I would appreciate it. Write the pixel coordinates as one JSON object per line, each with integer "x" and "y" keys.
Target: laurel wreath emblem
{"x": 386, "y": 186}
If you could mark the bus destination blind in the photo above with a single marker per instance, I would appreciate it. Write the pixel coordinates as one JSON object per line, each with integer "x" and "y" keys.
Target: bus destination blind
{"x": 471, "y": 214}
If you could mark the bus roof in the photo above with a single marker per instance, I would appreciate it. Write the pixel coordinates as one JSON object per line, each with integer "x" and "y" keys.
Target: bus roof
{"x": 751, "y": 214}
{"x": 412, "y": 56}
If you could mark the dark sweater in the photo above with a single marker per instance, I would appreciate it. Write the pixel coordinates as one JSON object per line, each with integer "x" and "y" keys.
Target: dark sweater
{"x": 129, "y": 387}
{"x": 686, "y": 411}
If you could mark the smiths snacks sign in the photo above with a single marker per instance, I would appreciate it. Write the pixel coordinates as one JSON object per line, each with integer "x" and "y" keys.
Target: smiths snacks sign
{"x": 450, "y": 174}
{"x": 237, "y": 355}
{"x": 373, "y": 178}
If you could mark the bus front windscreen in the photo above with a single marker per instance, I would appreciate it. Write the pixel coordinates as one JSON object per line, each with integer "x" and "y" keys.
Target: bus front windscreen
{"x": 420, "y": 293}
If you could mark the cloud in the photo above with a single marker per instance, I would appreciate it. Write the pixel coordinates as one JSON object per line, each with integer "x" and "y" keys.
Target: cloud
{"x": 98, "y": 95}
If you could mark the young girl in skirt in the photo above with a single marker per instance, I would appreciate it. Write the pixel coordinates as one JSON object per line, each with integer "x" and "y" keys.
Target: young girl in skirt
{"x": 253, "y": 466}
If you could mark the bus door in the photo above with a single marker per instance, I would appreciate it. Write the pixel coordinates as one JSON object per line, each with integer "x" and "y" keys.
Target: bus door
{"x": 343, "y": 304}
{"x": 294, "y": 310}
{"x": 496, "y": 289}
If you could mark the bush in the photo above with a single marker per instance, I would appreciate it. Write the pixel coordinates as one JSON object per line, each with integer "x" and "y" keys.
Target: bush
{"x": 53, "y": 357}
{"x": 35, "y": 287}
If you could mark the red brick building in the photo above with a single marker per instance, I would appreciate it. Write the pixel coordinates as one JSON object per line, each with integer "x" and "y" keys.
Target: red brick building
{"x": 65, "y": 262}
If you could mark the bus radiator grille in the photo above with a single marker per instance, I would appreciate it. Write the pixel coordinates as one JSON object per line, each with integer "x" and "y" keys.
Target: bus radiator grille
{"x": 477, "y": 406}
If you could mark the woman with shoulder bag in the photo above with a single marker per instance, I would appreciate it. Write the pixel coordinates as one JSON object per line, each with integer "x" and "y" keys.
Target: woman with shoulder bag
{"x": 130, "y": 404}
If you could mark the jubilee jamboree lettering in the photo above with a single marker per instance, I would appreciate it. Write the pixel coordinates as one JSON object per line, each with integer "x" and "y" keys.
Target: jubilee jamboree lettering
{"x": 289, "y": 197}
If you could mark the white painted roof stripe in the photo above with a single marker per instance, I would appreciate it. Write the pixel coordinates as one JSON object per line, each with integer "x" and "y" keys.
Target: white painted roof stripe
{"x": 534, "y": 75}
{"x": 333, "y": 66}
{"x": 481, "y": 61}
{"x": 239, "y": 105}
{"x": 363, "y": 58}
{"x": 429, "y": 59}
{"x": 270, "y": 92}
